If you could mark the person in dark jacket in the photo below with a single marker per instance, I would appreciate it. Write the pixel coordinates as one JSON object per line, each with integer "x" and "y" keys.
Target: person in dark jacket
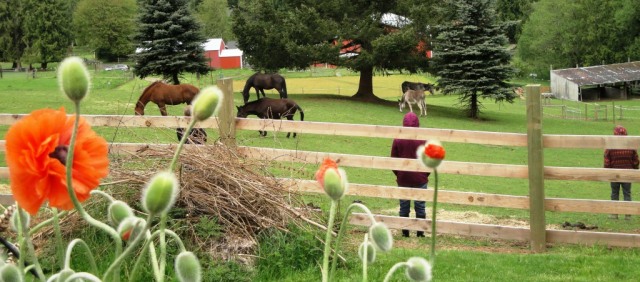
{"x": 196, "y": 135}
{"x": 624, "y": 159}
{"x": 404, "y": 148}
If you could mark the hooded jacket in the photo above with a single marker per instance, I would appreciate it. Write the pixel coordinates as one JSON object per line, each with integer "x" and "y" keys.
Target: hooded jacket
{"x": 621, "y": 158}
{"x": 405, "y": 148}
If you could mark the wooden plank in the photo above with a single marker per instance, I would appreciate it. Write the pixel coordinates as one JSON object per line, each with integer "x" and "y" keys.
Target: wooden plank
{"x": 536, "y": 168}
{"x": 591, "y": 141}
{"x": 392, "y": 192}
{"x": 472, "y": 198}
{"x": 501, "y": 232}
{"x": 387, "y": 163}
{"x": 4, "y": 173}
{"x": 381, "y": 131}
{"x": 6, "y": 200}
{"x": 446, "y": 227}
{"x": 593, "y": 238}
{"x": 127, "y": 121}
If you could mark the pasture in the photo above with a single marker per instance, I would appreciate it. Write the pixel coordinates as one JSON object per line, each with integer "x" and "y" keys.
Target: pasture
{"x": 459, "y": 258}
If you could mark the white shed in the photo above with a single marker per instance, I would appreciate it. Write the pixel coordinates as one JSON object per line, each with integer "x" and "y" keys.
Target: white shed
{"x": 596, "y": 82}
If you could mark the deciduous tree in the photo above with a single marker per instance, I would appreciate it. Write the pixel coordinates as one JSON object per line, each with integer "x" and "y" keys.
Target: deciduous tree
{"x": 47, "y": 31}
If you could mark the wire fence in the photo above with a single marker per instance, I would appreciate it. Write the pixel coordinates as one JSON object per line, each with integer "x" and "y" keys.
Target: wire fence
{"x": 591, "y": 111}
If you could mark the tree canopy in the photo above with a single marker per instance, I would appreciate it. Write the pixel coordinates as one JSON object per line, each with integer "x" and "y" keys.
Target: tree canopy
{"x": 213, "y": 16}
{"x": 373, "y": 35}
{"x": 471, "y": 57}
{"x": 169, "y": 40}
{"x": 562, "y": 34}
{"x": 106, "y": 26}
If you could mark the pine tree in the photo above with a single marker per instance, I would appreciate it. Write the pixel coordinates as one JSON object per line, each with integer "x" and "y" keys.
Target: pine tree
{"x": 168, "y": 40}
{"x": 471, "y": 56}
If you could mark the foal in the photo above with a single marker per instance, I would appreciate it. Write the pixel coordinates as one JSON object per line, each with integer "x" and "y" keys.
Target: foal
{"x": 414, "y": 97}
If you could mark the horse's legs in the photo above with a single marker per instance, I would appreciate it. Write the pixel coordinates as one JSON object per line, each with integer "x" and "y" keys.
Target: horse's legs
{"x": 263, "y": 95}
{"x": 290, "y": 117}
{"x": 163, "y": 109}
{"x": 410, "y": 108}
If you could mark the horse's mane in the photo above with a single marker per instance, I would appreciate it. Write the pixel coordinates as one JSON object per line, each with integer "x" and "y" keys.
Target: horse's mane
{"x": 147, "y": 91}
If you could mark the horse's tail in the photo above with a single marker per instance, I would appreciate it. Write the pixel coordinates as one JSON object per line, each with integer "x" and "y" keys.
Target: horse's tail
{"x": 284, "y": 89}
{"x": 301, "y": 112}
{"x": 247, "y": 87}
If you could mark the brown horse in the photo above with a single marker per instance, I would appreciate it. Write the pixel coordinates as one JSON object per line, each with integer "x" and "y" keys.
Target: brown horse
{"x": 271, "y": 108}
{"x": 261, "y": 81}
{"x": 165, "y": 94}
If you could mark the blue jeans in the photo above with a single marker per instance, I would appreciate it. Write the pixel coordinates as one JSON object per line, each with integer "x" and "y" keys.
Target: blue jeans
{"x": 615, "y": 191}
{"x": 418, "y": 206}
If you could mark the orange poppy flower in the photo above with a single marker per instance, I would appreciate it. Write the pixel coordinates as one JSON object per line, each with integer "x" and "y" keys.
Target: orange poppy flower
{"x": 36, "y": 154}
{"x": 434, "y": 151}
{"x": 326, "y": 164}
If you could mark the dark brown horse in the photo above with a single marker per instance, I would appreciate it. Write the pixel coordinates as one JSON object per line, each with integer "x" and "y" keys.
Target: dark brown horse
{"x": 165, "y": 94}
{"x": 261, "y": 81}
{"x": 271, "y": 108}
{"x": 417, "y": 86}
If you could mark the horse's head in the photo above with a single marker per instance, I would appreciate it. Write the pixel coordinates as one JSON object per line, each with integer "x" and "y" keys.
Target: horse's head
{"x": 241, "y": 112}
{"x": 429, "y": 87}
{"x": 139, "y": 109}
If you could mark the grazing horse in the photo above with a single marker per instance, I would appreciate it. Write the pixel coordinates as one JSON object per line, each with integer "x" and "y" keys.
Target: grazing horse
{"x": 261, "y": 81}
{"x": 416, "y": 86}
{"x": 165, "y": 94}
{"x": 414, "y": 97}
{"x": 271, "y": 108}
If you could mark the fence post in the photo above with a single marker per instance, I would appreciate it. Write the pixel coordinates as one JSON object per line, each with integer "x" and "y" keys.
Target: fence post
{"x": 536, "y": 169}
{"x": 227, "y": 120}
{"x": 613, "y": 111}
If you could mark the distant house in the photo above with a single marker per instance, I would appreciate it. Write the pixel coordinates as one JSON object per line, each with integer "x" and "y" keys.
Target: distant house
{"x": 220, "y": 57}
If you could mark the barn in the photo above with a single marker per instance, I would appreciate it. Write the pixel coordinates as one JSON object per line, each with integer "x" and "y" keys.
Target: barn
{"x": 615, "y": 81}
{"x": 221, "y": 56}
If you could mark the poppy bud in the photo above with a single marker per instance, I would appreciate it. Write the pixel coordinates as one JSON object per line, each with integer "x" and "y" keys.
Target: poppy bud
{"x": 130, "y": 227}
{"x": 26, "y": 220}
{"x": 431, "y": 154}
{"x": 73, "y": 78}
{"x": 64, "y": 274}
{"x": 207, "y": 103}
{"x": 381, "y": 236}
{"x": 9, "y": 272}
{"x": 335, "y": 183}
{"x": 188, "y": 267}
{"x": 371, "y": 252}
{"x": 118, "y": 211}
{"x": 418, "y": 269}
{"x": 161, "y": 193}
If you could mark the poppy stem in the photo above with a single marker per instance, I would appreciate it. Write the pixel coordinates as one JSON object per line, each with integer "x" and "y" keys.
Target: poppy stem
{"x": 433, "y": 220}
{"x": 393, "y": 269}
{"x": 74, "y": 199}
{"x": 341, "y": 231}
{"x": 58, "y": 234}
{"x": 327, "y": 241}
{"x": 172, "y": 166}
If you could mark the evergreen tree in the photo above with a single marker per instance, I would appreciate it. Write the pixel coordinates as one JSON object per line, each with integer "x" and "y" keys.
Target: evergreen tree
{"x": 11, "y": 32}
{"x": 169, "y": 40}
{"x": 47, "y": 31}
{"x": 471, "y": 58}
{"x": 106, "y": 27}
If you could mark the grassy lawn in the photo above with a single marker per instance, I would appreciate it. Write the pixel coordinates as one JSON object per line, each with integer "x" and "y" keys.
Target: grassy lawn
{"x": 324, "y": 96}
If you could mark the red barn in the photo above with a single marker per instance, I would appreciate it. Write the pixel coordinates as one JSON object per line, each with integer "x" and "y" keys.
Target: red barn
{"x": 220, "y": 57}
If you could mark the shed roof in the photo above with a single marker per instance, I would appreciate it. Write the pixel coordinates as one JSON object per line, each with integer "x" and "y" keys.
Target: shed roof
{"x": 601, "y": 74}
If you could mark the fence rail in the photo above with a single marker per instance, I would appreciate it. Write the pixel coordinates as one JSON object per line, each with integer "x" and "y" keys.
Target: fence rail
{"x": 228, "y": 124}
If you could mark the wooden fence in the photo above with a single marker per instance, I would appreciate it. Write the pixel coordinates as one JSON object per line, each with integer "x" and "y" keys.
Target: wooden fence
{"x": 536, "y": 172}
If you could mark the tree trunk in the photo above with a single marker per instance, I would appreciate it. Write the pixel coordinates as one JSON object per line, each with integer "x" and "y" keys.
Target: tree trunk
{"x": 474, "y": 110}
{"x": 174, "y": 78}
{"x": 365, "y": 87}
{"x": 43, "y": 66}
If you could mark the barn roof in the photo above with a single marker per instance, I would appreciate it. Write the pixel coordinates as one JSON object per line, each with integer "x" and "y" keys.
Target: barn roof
{"x": 212, "y": 44}
{"x": 601, "y": 74}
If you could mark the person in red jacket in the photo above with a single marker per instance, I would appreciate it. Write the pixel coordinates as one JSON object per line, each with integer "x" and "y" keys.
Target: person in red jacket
{"x": 624, "y": 159}
{"x": 404, "y": 148}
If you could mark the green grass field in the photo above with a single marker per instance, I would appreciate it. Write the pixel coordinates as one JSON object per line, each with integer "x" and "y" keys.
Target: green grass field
{"x": 324, "y": 96}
